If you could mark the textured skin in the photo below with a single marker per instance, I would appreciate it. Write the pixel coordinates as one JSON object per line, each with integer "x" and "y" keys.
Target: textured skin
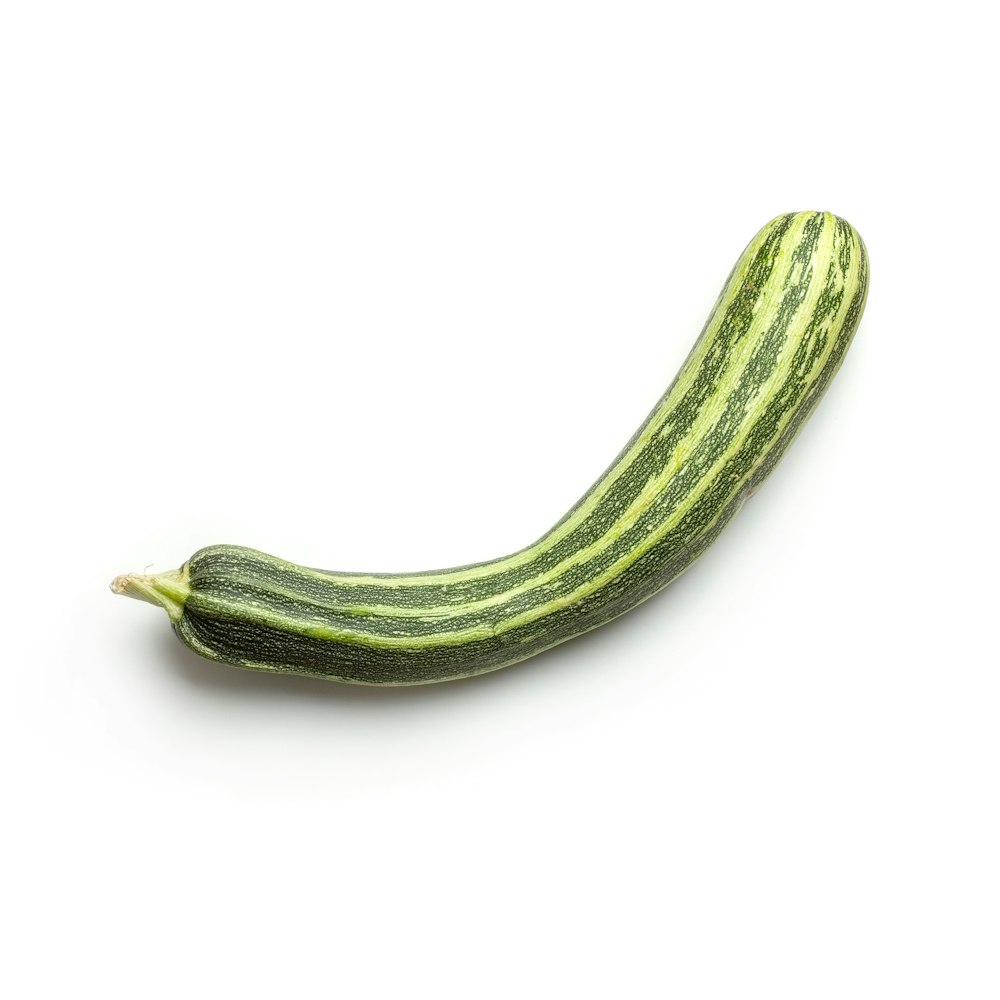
{"x": 776, "y": 337}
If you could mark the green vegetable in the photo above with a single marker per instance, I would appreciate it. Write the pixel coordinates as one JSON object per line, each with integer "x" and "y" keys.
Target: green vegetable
{"x": 776, "y": 337}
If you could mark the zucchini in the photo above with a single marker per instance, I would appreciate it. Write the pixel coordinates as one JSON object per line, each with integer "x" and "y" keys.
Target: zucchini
{"x": 774, "y": 340}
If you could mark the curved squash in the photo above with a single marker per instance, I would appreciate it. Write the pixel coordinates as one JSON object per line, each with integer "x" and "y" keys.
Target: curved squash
{"x": 775, "y": 339}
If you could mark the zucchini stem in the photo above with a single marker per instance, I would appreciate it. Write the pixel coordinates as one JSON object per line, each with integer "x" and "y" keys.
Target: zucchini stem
{"x": 167, "y": 590}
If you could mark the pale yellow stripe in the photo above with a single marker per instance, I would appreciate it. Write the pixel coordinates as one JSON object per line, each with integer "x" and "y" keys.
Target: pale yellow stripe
{"x": 821, "y": 260}
{"x": 705, "y": 421}
{"x": 486, "y": 631}
{"x": 655, "y": 424}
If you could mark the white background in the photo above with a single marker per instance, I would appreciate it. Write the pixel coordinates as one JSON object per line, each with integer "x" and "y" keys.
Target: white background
{"x": 385, "y": 286}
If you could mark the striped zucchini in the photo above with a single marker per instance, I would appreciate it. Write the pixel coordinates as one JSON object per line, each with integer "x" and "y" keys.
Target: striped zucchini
{"x": 775, "y": 338}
